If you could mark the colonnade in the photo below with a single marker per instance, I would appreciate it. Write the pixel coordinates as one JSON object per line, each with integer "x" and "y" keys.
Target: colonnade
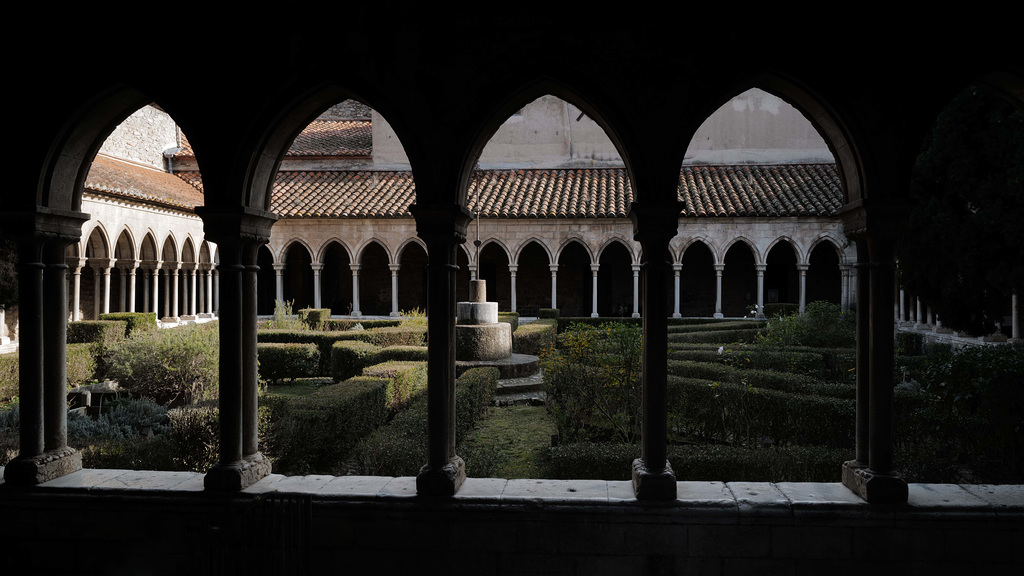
{"x": 195, "y": 285}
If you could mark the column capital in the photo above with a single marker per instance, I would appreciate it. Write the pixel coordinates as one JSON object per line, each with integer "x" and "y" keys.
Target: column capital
{"x": 802, "y": 267}
{"x": 316, "y": 266}
{"x": 677, "y": 268}
{"x": 719, "y": 268}
{"x": 760, "y": 268}
{"x": 355, "y": 268}
{"x": 553, "y": 268}
{"x": 44, "y": 224}
{"x": 513, "y": 268}
{"x": 441, "y": 222}
{"x": 279, "y": 268}
{"x": 594, "y": 268}
{"x": 655, "y": 223}
{"x": 394, "y": 267}
{"x": 236, "y": 226}
{"x": 636, "y": 268}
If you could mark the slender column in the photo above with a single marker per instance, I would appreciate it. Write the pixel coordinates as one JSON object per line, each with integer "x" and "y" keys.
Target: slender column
{"x": 209, "y": 291}
{"x": 145, "y": 291}
{"x": 30, "y": 350}
{"x": 554, "y": 285}
{"x": 883, "y": 280}
{"x": 512, "y": 269}
{"x": 156, "y": 290}
{"x": 106, "y": 286}
{"x": 760, "y": 268}
{"x": 97, "y": 292}
{"x": 122, "y": 290}
{"x": 912, "y": 305}
{"x": 216, "y": 292}
{"x": 931, "y": 317}
{"x": 131, "y": 286}
{"x": 76, "y": 291}
{"x": 593, "y": 269}
{"x": 802, "y": 269}
{"x": 192, "y": 292}
{"x": 279, "y": 279}
{"x": 55, "y": 314}
{"x": 472, "y": 272}
{"x": 176, "y": 293}
{"x": 167, "y": 293}
{"x": 231, "y": 359}
{"x": 902, "y": 304}
{"x": 676, "y": 271}
{"x": 636, "y": 290}
{"x": 355, "y": 289}
{"x": 654, "y": 225}
{"x": 844, "y": 296}
{"x": 1015, "y": 311}
{"x": 442, "y": 228}
{"x": 250, "y": 360}
{"x": 719, "y": 268}
{"x": 394, "y": 288}
{"x": 317, "y": 267}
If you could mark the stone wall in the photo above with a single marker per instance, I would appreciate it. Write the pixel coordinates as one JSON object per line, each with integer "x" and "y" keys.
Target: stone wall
{"x": 143, "y": 137}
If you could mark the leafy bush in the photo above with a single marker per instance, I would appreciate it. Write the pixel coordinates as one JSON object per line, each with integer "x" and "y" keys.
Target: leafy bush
{"x": 195, "y": 433}
{"x": 81, "y": 365}
{"x": 776, "y": 309}
{"x": 342, "y": 324}
{"x": 176, "y": 366}
{"x": 909, "y": 343}
{"x": 511, "y": 318}
{"x": 314, "y": 317}
{"x": 534, "y": 337}
{"x": 402, "y": 353}
{"x": 105, "y": 336}
{"x": 8, "y": 376}
{"x": 593, "y": 382}
{"x": 278, "y": 361}
{"x": 405, "y": 379}
{"x": 283, "y": 318}
{"x": 548, "y": 313}
{"x": 349, "y": 357}
{"x": 125, "y": 418}
{"x": 823, "y": 324}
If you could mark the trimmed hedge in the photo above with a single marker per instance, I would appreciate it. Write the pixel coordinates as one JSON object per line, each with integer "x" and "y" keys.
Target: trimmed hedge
{"x": 342, "y": 324}
{"x": 405, "y": 380}
{"x": 107, "y": 333}
{"x": 548, "y": 313}
{"x": 716, "y": 336}
{"x": 389, "y": 336}
{"x": 403, "y": 353}
{"x": 703, "y": 463}
{"x": 716, "y": 326}
{"x": 81, "y": 365}
{"x": 534, "y": 337}
{"x": 509, "y": 318}
{"x": 314, "y": 317}
{"x": 761, "y": 379}
{"x": 315, "y": 433}
{"x": 280, "y": 360}
{"x": 135, "y": 320}
{"x": 400, "y": 448}
{"x": 349, "y": 357}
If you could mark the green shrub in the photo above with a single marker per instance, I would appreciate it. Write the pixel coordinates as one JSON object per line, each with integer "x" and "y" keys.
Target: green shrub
{"x": 283, "y": 318}
{"x": 402, "y": 353}
{"x": 511, "y": 318}
{"x": 389, "y": 336}
{"x": 548, "y": 313}
{"x": 715, "y": 336}
{"x": 124, "y": 418}
{"x": 81, "y": 365}
{"x": 382, "y": 337}
{"x": 534, "y": 337}
{"x": 406, "y": 379}
{"x": 342, "y": 324}
{"x": 349, "y": 357}
{"x": 135, "y": 321}
{"x": 195, "y": 433}
{"x": 137, "y": 453}
{"x": 278, "y": 361}
{"x": 177, "y": 366}
{"x": 564, "y": 322}
{"x": 822, "y": 324}
{"x": 8, "y": 376}
{"x": 105, "y": 336}
{"x": 777, "y": 309}
{"x": 317, "y": 432}
{"x": 716, "y": 326}
{"x": 909, "y": 343}
{"x": 314, "y": 317}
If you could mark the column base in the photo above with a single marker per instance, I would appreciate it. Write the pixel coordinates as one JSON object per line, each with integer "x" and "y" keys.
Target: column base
{"x": 395, "y": 314}
{"x": 42, "y": 468}
{"x": 719, "y": 315}
{"x": 872, "y": 487}
{"x": 237, "y": 475}
{"x": 356, "y": 314}
{"x": 677, "y": 315}
{"x": 441, "y": 482}
{"x": 649, "y": 485}
{"x": 636, "y": 315}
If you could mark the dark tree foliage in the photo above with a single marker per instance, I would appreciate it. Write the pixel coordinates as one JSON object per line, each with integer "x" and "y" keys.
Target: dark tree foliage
{"x": 8, "y": 273}
{"x": 964, "y": 251}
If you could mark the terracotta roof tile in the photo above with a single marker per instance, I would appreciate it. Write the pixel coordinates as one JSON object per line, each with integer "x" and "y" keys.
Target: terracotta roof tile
{"x": 118, "y": 178}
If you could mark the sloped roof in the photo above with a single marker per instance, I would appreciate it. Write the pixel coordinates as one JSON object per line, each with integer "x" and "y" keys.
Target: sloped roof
{"x": 118, "y": 178}
{"x": 761, "y": 190}
{"x": 321, "y": 138}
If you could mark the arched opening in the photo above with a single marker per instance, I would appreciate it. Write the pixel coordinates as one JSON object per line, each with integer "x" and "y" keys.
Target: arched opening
{"x": 298, "y": 276}
{"x": 697, "y": 284}
{"x": 781, "y": 279}
{"x": 266, "y": 282}
{"x": 533, "y": 280}
{"x": 615, "y": 282}
{"x": 412, "y": 278}
{"x": 574, "y": 281}
{"x": 739, "y": 281}
{"x": 493, "y": 269}
{"x": 124, "y": 267}
{"x": 96, "y": 276}
{"x": 336, "y": 280}
{"x": 374, "y": 281}
{"x": 824, "y": 280}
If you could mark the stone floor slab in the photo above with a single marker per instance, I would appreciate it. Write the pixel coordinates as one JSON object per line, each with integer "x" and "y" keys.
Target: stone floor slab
{"x": 354, "y": 485}
{"x": 265, "y": 484}
{"x": 482, "y": 488}
{"x": 402, "y": 487}
{"x": 148, "y": 480}
{"x": 85, "y": 478}
{"x": 304, "y": 484}
{"x": 999, "y": 495}
{"x": 713, "y": 494}
{"x": 621, "y": 491}
{"x": 759, "y": 498}
{"x": 555, "y": 491}
{"x": 942, "y": 495}
{"x": 819, "y": 494}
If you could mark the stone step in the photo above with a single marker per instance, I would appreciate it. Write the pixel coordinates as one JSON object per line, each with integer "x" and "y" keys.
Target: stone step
{"x": 519, "y": 391}
{"x": 515, "y": 366}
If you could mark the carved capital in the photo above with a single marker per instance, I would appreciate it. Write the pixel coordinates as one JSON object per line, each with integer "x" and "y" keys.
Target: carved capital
{"x": 446, "y": 223}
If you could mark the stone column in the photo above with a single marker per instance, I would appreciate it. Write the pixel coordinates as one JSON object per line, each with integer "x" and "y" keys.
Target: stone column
{"x": 394, "y": 288}
{"x": 122, "y": 289}
{"x": 317, "y": 267}
{"x": 216, "y": 292}
{"x": 131, "y": 286}
{"x": 106, "y": 286}
{"x": 175, "y": 291}
{"x": 472, "y": 272}
{"x": 279, "y": 279}
{"x": 76, "y": 298}
{"x": 156, "y": 290}
{"x": 209, "y": 291}
{"x": 512, "y": 269}
{"x": 931, "y": 318}
{"x": 802, "y": 269}
{"x": 719, "y": 268}
{"x": 442, "y": 228}
{"x": 902, "y": 305}
{"x": 593, "y": 269}
{"x": 1015, "y": 311}
{"x": 554, "y": 285}
{"x": 192, "y": 292}
{"x": 355, "y": 289}
{"x": 654, "y": 225}
{"x": 42, "y": 238}
{"x": 760, "y": 268}
{"x": 636, "y": 291}
{"x": 844, "y": 295}
{"x": 238, "y": 235}
{"x": 676, "y": 271}
{"x": 145, "y": 291}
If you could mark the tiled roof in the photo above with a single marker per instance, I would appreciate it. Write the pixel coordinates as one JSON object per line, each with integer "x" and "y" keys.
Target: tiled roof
{"x": 330, "y": 138}
{"x": 743, "y": 190}
{"x": 119, "y": 178}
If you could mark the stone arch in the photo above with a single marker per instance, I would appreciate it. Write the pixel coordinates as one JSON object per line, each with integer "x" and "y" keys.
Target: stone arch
{"x": 320, "y": 253}
{"x": 412, "y": 275}
{"x": 367, "y": 244}
{"x": 615, "y": 279}
{"x": 569, "y": 241}
{"x": 532, "y": 240}
{"x": 493, "y": 267}
{"x": 697, "y": 279}
{"x": 634, "y": 256}
{"x": 574, "y": 293}
{"x": 336, "y": 277}
{"x": 826, "y": 239}
{"x": 298, "y": 274}
{"x": 533, "y": 277}
{"x": 781, "y": 275}
{"x": 281, "y": 256}
{"x": 795, "y": 245}
{"x": 739, "y": 240}
{"x": 739, "y": 278}
{"x": 374, "y": 259}
{"x": 824, "y": 278}
{"x": 266, "y": 281}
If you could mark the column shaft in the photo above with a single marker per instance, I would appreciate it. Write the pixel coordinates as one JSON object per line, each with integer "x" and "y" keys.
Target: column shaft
{"x": 593, "y": 269}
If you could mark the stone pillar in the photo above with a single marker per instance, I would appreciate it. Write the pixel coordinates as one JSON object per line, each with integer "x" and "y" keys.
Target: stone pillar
{"x": 654, "y": 225}
{"x": 238, "y": 235}
{"x": 442, "y": 228}
{"x": 636, "y": 291}
{"x": 1015, "y": 311}
{"x": 719, "y": 268}
{"x": 216, "y": 292}
{"x": 512, "y": 269}
{"x": 554, "y": 285}
{"x": 802, "y": 269}
{"x": 42, "y": 238}
{"x": 175, "y": 291}
{"x": 355, "y": 289}
{"x": 279, "y": 279}
{"x": 192, "y": 292}
{"x": 76, "y": 298}
{"x": 145, "y": 291}
{"x": 760, "y": 268}
{"x": 676, "y": 271}
{"x": 593, "y": 269}
{"x": 122, "y": 290}
{"x": 472, "y": 272}
{"x": 931, "y": 318}
{"x": 156, "y": 290}
{"x": 844, "y": 290}
{"x": 106, "y": 286}
{"x": 97, "y": 291}
{"x": 317, "y": 267}
{"x": 394, "y": 288}
{"x": 131, "y": 286}
{"x": 209, "y": 291}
